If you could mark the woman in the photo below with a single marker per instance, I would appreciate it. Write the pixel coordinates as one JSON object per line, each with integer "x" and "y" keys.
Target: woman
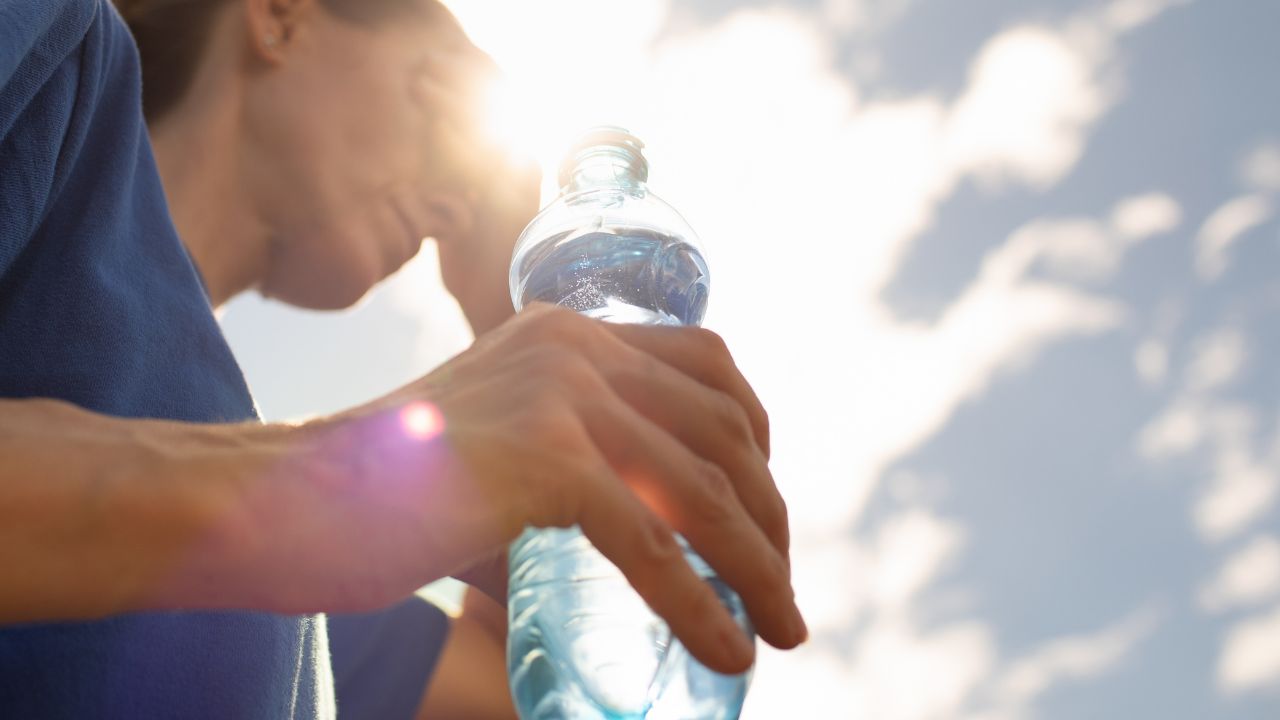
{"x": 311, "y": 183}
{"x": 162, "y": 549}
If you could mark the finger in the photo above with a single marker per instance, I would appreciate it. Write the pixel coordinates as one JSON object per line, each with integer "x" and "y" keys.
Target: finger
{"x": 697, "y": 498}
{"x": 713, "y": 426}
{"x": 702, "y": 355}
{"x": 710, "y": 422}
{"x": 645, "y": 550}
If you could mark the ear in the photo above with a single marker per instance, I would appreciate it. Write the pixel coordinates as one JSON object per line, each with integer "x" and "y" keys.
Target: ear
{"x": 272, "y": 26}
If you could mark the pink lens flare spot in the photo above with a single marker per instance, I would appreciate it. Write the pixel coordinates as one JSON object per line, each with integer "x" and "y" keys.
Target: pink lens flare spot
{"x": 421, "y": 421}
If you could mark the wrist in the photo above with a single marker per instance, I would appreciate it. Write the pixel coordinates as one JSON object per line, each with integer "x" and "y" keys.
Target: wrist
{"x": 199, "y": 516}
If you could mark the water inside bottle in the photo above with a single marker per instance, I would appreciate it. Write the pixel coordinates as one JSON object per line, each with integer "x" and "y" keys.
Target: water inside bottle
{"x": 585, "y": 646}
{"x": 627, "y": 275}
{"x": 582, "y": 645}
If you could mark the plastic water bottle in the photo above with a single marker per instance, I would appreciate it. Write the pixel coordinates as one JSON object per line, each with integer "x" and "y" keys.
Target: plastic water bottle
{"x": 582, "y": 645}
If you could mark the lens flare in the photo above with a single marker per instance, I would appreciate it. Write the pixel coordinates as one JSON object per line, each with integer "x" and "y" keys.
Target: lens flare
{"x": 421, "y": 421}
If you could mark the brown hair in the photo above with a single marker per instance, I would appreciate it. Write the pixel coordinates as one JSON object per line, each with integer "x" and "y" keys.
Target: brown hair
{"x": 172, "y": 35}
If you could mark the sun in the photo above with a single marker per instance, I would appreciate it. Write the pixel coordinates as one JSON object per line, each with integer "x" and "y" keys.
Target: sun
{"x": 584, "y": 69}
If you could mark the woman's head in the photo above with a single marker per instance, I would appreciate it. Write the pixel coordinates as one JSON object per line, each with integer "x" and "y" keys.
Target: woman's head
{"x": 345, "y": 120}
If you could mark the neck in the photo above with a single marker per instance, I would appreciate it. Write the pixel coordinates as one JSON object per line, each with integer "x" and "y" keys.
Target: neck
{"x": 197, "y": 151}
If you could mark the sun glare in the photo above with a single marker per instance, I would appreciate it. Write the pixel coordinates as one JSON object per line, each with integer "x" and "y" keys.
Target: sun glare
{"x": 517, "y": 121}
{"x": 566, "y": 77}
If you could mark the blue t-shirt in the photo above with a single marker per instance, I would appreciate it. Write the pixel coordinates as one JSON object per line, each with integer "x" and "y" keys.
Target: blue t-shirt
{"x": 101, "y": 306}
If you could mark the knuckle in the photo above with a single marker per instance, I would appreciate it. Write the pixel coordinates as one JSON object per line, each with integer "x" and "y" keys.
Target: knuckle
{"x": 776, "y": 572}
{"x": 542, "y": 359}
{"x": 559, "y": 367}
{"x": 659, "y": 549}
{"x": 712, "y": 343}
{"x": 776, "y": 524}
{"x": 719, "y": 497}
{"x": 734, "y": 418}
{"x": 548, "y": 421}
{"x": 558, "y": 323}
{"x": 636, "y": 370}
{"x": 538, "y": 307}
{"x": 577, "y": 373}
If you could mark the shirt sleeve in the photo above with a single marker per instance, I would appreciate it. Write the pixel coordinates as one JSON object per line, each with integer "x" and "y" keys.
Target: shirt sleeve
{"x": 383, "y": 660}
{"x": 39, "y": 89}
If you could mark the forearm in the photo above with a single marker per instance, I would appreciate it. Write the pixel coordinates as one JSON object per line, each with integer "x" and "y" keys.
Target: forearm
{"x": 101, "y": 516}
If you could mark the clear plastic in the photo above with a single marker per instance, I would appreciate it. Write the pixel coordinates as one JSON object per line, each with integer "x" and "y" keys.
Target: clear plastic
{"x": 581, "y": 643}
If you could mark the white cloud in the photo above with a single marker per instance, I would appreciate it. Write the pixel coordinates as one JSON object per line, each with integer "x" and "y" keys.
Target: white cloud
{"x": 1242, "y": 491}
{"x": 1088, "y": 250}
{"x": 831, "y": 578}
{"x": 1072, "y": 658}
{"x": 1151, "y": 361}
{"x": 1073, "y": 249}
{"x": 1250, "y": 658}
{"x": 845, "y": 15}
{"x": 1138, "y": 218}
{"x": 1246, "y": 477}
{"x": 1261, "y": 167}
{"x": 841, "y": 586}
{"x": 901, "y": 673}
{"x": 804, "y": 683}
{"x": 854, "y": 410}
{"x": 1244, "y": 474}
{"x": 1177, "y": 430}
{"x": 809, "y": 198}
{"x": 1219, "y": 357}
{"x": 1125, "y": 15}
{"x": 1031, "y": 97}
{"x": 1224, "y": 227}
{"x": 1250, "y": 576}
{"x": 857, "y": 182}
{"x": 910, "y": 550}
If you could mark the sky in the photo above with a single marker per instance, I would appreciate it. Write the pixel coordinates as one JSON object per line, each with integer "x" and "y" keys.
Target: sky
{"x": 1005, "y": 276}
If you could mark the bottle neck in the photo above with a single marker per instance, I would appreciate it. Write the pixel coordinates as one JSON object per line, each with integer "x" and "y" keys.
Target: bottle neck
{"x": 606, "y": 167}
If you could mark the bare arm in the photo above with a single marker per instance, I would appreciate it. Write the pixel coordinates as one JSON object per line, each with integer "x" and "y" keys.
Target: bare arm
{"x": 102, "y": 516}
{"x": 552, "y": 420}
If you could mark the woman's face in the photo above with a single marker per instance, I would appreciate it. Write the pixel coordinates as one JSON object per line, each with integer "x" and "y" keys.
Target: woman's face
{"x": 352, "y": 145}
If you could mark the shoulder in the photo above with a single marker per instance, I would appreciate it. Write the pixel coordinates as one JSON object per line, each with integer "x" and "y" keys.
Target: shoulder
{"x": 61, "y": 62}
{"x": 52, "y": 41}
{"x": 41, "y": 33}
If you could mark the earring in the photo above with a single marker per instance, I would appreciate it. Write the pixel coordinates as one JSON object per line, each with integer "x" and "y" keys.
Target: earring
{"x": 269, "y": 40}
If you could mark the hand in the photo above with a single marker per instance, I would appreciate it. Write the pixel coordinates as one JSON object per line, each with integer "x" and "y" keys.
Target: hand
{"x": 475, "y": 261}
{"x": 484, "y": 195}
{"x": 631, "y": 432}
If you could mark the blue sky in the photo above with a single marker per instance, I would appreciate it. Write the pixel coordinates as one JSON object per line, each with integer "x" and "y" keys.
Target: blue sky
{"x": 1005, "y": 274}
